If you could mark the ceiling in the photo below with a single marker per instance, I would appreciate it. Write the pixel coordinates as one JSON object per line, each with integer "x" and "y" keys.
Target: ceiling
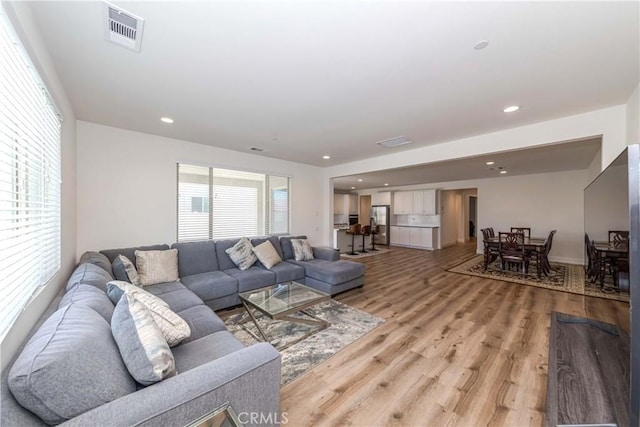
{"x": 306, "y": 79}
{"x": 576, "y": 155}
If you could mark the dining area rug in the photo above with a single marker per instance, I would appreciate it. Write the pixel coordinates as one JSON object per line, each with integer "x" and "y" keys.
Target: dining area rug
{"x": 563, "y": 277}
{"x": 348, "y": 324}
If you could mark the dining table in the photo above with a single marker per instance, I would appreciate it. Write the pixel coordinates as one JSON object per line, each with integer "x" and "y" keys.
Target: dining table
{"x": 532, "y": 245}
{"x": 610, "y": 252}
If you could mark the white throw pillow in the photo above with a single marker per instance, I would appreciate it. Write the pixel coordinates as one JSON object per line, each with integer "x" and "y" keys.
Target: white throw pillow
{"x": 267, "y": 254}
{"x": 301, "y": 249}
{"x": 174, "y": 328}
{"x": 157, "y": 266}
{"x": 242, "y": 254}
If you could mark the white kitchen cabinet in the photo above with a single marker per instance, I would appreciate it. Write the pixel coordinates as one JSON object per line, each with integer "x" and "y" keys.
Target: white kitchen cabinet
{"x": 402, "y": 202}
{"x": 400, "y": 236}
{"x": 424, "y": 202}
{"x": 353, "y": 204}
{"x": 382, "y": 198}
{"x": 339, "y": 205}
{"x": 420, "y": 237}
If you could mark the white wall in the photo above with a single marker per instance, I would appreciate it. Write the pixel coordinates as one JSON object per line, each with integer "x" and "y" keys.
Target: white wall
{"x": 127, "y": 186}
{"x": 633, "y": 117}
{"x": 20, "y": 16}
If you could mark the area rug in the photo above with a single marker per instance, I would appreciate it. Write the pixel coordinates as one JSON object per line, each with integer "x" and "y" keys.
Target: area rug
{"x": 347, "y": 325}
{"x": 366, "y": 254}
{"x": 563, "y": 277}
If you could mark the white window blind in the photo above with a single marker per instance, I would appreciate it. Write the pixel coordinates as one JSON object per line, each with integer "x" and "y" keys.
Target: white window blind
{"x": 30, "y": 171}
{"x": 216, "y": 203}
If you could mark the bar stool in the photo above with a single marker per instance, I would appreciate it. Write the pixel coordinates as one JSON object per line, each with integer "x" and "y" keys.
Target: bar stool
{"x": 365, "y": 231}
{"x": 353, "y": 231}
{"x": 374, "y": 232}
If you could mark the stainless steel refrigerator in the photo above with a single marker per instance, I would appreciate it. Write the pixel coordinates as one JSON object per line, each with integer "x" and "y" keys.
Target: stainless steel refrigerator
{"x": 380, "y": 216}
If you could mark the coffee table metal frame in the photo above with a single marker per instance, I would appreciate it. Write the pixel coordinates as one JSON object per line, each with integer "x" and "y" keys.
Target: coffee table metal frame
{"x": 284, "y": 315}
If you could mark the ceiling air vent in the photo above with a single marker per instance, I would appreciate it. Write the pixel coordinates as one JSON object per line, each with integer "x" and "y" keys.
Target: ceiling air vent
{"x": 394, "y": 142}
{"x": 122, "y": 27}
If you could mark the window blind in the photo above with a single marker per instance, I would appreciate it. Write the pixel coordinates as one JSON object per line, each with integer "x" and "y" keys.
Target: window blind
{"x": 215, "y": 203}
{"x": 30, "y": 172}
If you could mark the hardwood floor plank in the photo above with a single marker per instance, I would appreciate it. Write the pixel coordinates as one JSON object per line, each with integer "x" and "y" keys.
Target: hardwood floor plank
{"x": 455, "y": 350}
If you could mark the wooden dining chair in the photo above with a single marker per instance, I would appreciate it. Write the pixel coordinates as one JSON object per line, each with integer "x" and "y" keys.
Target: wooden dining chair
{"x": 546, "y": 266}
{"x": 512, "y": 251}
{"x": 490, "y": 251}
{"x": 525, "y": 230}
{"x": 618, "y": 237}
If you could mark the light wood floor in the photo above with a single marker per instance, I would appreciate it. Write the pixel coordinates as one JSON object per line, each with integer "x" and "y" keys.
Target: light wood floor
{"x": 454, "y": 350}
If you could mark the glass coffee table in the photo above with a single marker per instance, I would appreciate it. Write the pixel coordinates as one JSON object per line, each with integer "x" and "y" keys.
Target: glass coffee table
{"x": 280, "y": 302}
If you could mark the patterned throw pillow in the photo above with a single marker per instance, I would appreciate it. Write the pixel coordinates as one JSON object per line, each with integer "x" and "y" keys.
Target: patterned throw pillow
{"x": 143, "y": 348}
{"x": 173, "y": 327}
{"x": 157, "y": 266}
{"x": 242, "y": 254}
{"x": 301, "y": 249}
{"x": 124, "y": 269}
{"x": 267, "y": 254}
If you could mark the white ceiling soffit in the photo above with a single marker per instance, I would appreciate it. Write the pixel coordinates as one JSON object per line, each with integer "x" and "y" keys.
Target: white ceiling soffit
{"x": 306, "y": 79}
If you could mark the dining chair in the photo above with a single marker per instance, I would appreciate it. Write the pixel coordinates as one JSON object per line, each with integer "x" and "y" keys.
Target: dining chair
{"x": 354, "y": 231}
{"x": 490, "y": 251}
{"x": 512, "y": 251}
{"x": 594, "y": 268}
{"x": 491, "y": 232}
{"x": 618, "y": 237}
{"x": 546, "y": 266}
{"x": 525, "y": 230}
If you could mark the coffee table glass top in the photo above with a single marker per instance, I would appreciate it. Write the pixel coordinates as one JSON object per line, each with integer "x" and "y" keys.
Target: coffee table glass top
{"x": 283, "y": 297}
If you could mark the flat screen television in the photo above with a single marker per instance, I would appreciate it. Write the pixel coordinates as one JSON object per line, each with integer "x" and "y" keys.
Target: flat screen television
{"x": 611, "y": 202}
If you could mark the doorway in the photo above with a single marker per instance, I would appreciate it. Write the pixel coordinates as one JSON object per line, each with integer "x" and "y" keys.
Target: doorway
{"x": 365, "y": 210}
{"x": 473, "y": 216}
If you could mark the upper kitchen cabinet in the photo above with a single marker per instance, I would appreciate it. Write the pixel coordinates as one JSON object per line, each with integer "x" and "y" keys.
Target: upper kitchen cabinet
{"x": 353, "y": 204}
{"x": 424, "y": 202}
{"x": 339, "y": 204}
{"x": 382, "y": 198}
{"x": 402, "y": 202}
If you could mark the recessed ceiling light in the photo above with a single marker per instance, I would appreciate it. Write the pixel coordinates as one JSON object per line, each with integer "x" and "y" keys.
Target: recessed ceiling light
{"x": 359, "y": 179}
{"x": 167, "y": 119}
{"x": 481, "y": 44}
{"x": 511, "y": 109}
{"x": 326, "y": 157}
{"x": 490, "y": 163}
{"x": 503, "y": 172}
{"x": 386, "y": 184}
{"x": 353, "y": 188}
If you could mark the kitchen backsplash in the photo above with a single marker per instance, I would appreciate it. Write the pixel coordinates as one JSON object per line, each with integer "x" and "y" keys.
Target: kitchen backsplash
{"x": 418, "y": 220}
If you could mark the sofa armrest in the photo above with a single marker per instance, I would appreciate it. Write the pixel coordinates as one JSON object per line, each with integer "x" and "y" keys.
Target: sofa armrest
{"x": 249, "y": 379}
{"x": 326, "y": 253}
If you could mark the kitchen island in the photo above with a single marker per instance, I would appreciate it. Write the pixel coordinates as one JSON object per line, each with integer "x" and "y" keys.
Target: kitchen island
{"x": 342, "y": 240}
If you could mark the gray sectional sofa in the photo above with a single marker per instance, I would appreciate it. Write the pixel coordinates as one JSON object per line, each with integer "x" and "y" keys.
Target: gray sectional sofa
{"x": 70, "y": 371}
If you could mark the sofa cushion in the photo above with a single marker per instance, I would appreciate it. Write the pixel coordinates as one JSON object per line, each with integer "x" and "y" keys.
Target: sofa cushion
{"x": 275, "y": 241}
{"x": 287, "y": 249}
{"x": 91, "y": 297}
{"x": 301, "y": 249}
{"x": 253, "y": 278}
{"x": 173, "y": 327}
{"x": 267, "y": 254}
{"x": 89, "y": 274}
{"x": 130, "y": 253}
{"x": 204, "y": 350}
{"x": 141, "y": 342}
{"x": 242, "y": 254}
{"x": 211, "y": 285}
{"x": 202, "y": 321}
{"x": 123, "y": 269}
{"x": 288, "y": 272}
{"x": 196, "y": 257}
{"x": 157, "y": 266}
{"x": 98, "y": 259}
{"x": 176, "y": 295}
{"x": 332, "y": 272}
{"x": 69, "y": 366}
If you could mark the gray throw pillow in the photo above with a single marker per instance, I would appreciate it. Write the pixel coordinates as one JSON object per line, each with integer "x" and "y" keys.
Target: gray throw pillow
{"x": 69, "y": 366}
{"x": 144, "y": 350}
{"x": 302, "y": 250}
{"x": 242, "y": 254}
{"x": 123, "y": 269}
